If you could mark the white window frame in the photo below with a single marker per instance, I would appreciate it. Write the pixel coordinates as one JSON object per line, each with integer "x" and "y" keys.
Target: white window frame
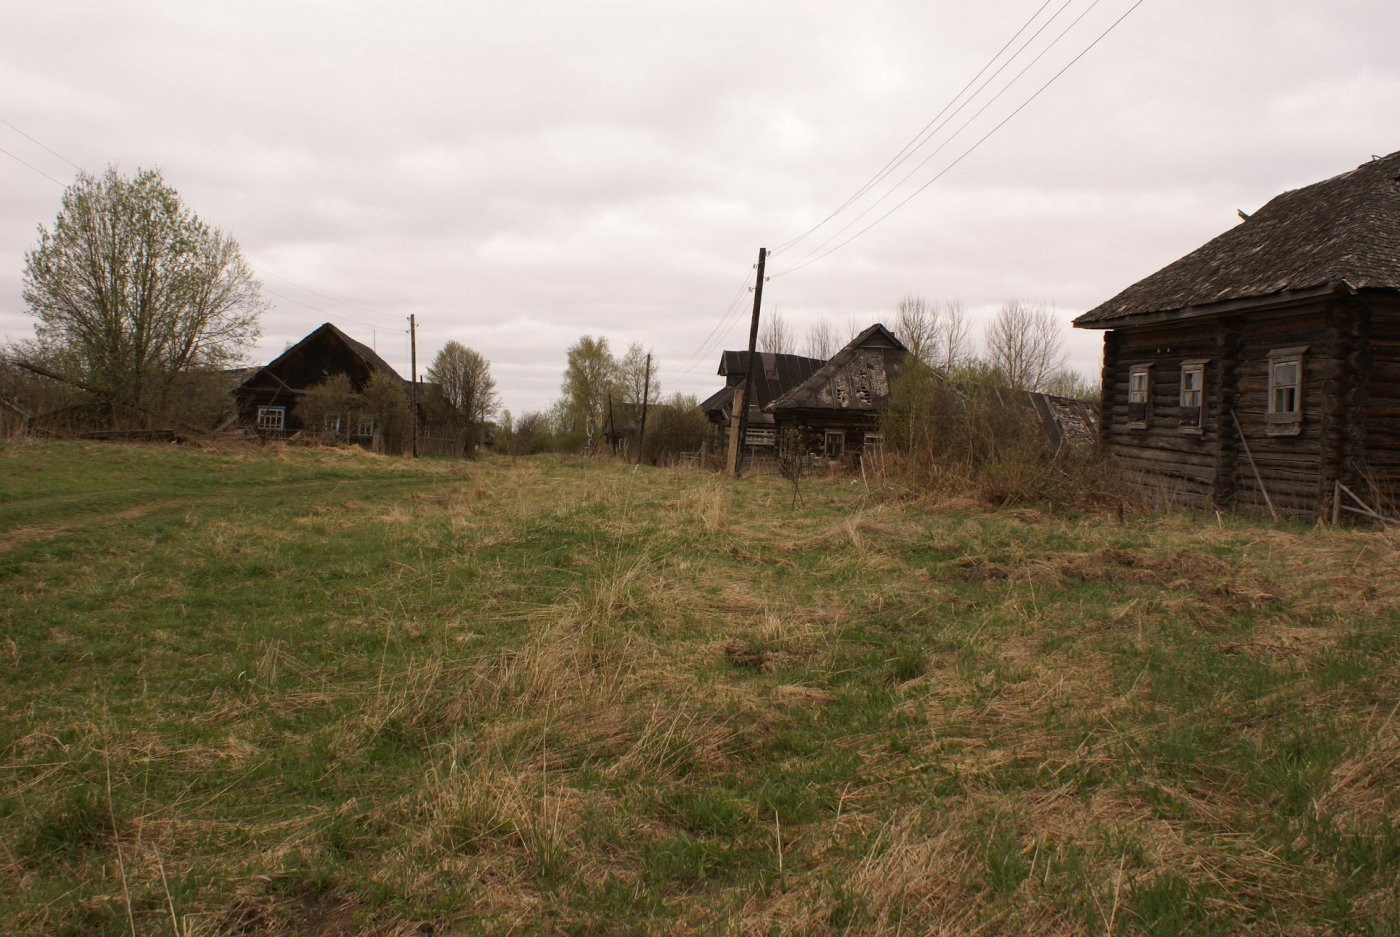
{"x": 1193, "y": 367}
{"x": 272, "y": 419}
{"x": 1140, "y": 373}
{"x": 330, "y": 424}
{"x": 1281, "y": 418}
{"x": 365, "y": 425}
{"x": 838, "y": 436}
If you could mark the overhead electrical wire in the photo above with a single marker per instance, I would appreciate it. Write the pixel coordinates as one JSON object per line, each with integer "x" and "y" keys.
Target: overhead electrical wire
{"x": 264, "y": 272}
{"x": 41, "y": 146}
{"x": 815, "y": 256}
{"x": 30, "y": 166}
{"x": 914, "y": 142}
{"x": 338, "y": 302}
{"x": 956, "y": 133}
{"x": 691, "y": 361}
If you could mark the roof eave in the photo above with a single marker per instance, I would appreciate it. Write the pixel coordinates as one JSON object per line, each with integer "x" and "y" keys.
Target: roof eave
{"x": 1253, "y": 303}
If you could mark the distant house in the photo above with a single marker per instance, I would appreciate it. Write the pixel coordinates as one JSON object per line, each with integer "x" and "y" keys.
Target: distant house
{"x": 266, "y": 400}
{"x": 1263, "y": 369}
{"x": 836, "y": 409}
{"x": 774, "y": 375}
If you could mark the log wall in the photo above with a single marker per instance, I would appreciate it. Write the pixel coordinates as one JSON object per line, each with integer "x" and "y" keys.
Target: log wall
{"x": 1214, "y": 467}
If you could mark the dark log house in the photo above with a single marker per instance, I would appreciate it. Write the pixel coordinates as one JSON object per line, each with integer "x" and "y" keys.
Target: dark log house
{"x": 1261, "y": 372}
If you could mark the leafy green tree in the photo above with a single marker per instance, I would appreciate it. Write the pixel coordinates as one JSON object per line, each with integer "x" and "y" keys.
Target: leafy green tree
{"x": 674, "y": 426}
{"x": 384, "y": 401}
{"x": 589, "y": 377}
{"x": 328, "y": 408}
{"x": 132, "y": 290}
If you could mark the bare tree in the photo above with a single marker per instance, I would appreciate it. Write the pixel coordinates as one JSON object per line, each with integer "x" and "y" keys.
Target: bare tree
{"x": 774, "y": 336}
{"x": 1024, "y": 346}
{"x": 821, "y": 340}
{"x": 916, "y": 325}
{"x": 632, "y": 377}
{"x": 954, "y": 340}
{"x": 463, "y": 378}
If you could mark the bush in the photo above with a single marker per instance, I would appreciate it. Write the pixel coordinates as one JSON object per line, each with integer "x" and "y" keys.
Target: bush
{"x": 974, "y": 437}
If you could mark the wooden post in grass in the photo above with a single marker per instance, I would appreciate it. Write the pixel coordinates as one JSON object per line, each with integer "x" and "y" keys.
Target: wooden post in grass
{"x": 642, "y": 426}
{"x": 413, "y": 369}
{"x": 740, "y": 420}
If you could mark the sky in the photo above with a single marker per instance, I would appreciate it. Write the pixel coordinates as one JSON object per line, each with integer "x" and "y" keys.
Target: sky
{"x": 517, "y": 175}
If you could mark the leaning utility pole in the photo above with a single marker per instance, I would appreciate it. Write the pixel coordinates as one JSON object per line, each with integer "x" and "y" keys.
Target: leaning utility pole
{"x": 413, "y": 365}
{"x": 642, "y": 427}
{"x": 739, "y": 420}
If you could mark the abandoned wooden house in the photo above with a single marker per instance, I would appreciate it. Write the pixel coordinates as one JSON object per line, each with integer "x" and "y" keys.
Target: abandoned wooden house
{"x": 1261, "y": 372}
{"x": 267, "y": 400}
{"x": 834, "y": 412}
{"x": 775, "y": 375}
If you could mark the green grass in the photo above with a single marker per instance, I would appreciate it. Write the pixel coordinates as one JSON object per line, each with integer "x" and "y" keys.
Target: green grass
{"x": 292, "y": 691}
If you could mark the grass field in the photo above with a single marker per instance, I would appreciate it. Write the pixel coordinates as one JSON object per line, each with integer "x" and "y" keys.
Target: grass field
{"x": 314, "y": 692}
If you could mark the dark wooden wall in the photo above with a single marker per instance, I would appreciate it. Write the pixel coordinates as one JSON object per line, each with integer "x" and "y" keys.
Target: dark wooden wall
{"x": 1342, "y": 409}
{"x": 1175, "y": 466}
{"x": 1377, "y": 437}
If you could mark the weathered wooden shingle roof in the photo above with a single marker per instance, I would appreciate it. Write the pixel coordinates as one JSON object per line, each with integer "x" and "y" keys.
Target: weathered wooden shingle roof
{"x": 774, "y": 375}
{"x": 1341, "y": 232}
{"x": 857, "y": 378}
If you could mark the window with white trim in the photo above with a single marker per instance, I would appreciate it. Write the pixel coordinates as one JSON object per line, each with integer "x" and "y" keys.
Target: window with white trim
{"x": 1285, "y": 411}
{"x": 1139, "y": 395}
{"x": 330, "y": 423}
{"x": 365, "y": 427}
{"x": 1193, "y": 393}
{"x": 272, "y": 419}
{"x": 835, "y": 443}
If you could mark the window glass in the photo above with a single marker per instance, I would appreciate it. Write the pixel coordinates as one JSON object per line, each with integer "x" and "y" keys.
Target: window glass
{"x": 1284, "y": 387}
{"x": 1192, "y": 394}
{"x": 272, "y": 418}
{"x": 1139, "y": 394}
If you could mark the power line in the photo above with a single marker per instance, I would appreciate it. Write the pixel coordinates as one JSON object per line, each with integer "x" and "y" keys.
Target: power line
{"x": 957, "y": 133}
{"x": 41, "y": 145}
{"x": 31, "y": 166}
{"x": 691, "y": 361}
{"x": 338, "y": 302}
{"x": 368, "y": 325}
{"x": 811, "y": 259}
{"x": 905, "y": 152}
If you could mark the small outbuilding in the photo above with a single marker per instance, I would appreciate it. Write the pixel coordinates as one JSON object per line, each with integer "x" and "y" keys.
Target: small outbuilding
{"x": 1261, "y": 372}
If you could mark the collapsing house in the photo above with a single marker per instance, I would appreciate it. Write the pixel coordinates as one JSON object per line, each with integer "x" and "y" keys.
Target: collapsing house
{"x": 1261, "y": 372}
{"x": 835, "y": 411}
{"x": 774, "y": 376}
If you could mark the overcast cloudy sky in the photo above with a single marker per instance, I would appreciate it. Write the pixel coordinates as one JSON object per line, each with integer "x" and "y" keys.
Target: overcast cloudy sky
{"x": 519, "y": 174}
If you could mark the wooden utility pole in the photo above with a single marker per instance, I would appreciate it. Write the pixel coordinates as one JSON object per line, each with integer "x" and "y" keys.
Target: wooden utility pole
{"x": 611, "y": 432}
{"x": 738, "y": 422}
{"x": 413, "y": 365}
{"x": 646, "y": 393}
